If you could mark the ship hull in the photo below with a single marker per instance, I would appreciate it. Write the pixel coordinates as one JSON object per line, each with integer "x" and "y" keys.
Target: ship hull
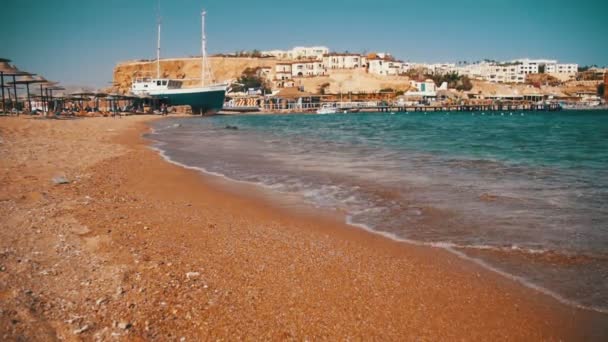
{"x": 201, "y": 102}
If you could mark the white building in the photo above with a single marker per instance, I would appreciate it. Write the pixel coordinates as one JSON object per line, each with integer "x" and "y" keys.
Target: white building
{"x": 308, "y": 68}
{"x": 533, "y": 66}
{"x": 561, "y": 68}
{"x": 344, "y": 61}
{"x": 528, "y": 66}
{"x": 505, "y": 74}
{"x": 426, "y": 89}
{"x": 440, "y": 68}
{"x": 313, "y": 52}
{"x": 282, "y": 71}
{"x": 384, "y": 67}
{"x": 298, "y": 52}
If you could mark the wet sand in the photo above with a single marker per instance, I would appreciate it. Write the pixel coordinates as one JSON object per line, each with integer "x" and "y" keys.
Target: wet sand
{"x": 136, "y": 248}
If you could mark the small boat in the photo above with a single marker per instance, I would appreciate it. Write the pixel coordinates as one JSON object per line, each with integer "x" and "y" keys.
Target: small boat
{"x": 327, "y": 109}
{"x": 205, "y": 99}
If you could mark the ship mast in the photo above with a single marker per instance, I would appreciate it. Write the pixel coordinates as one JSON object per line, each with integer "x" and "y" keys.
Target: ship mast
{"x": 158, "y": 44}
{"x": 203, "y": 48}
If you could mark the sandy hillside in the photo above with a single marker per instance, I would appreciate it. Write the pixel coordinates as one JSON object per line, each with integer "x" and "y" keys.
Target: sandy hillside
{"x": 227, "y": 69}
{"x": 343, "y": 81}
{"x": 223, "y": 69}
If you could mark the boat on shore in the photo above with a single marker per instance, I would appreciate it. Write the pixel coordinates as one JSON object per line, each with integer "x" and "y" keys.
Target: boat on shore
{"x": 205, "y": 99}
{"x": 202, "y": 100}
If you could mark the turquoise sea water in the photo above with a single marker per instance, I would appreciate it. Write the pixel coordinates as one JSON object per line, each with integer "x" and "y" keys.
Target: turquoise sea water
{"x": 525, "y": 194}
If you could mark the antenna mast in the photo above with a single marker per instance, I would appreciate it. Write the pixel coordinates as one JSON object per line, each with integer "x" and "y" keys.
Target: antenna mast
{"x": 158, "y": 44}
{"x": 203, "y": 48}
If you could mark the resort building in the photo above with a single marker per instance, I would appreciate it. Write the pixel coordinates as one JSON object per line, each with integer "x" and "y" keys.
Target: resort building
{"x": 551, "y": 66}
{"x": 308, "y": 68}
{"x": 505, "y": 74}
{"x": 385, "y": 67}
{"x": 528, "y": 67}
{"x": 440, "y": 68}
{"x": 282, "y": 71}
{"x": 344, "y": 61}
{"x": 298, "y": 52}
{"x": 561, "y": 68}
{"x": 314, "y": 52}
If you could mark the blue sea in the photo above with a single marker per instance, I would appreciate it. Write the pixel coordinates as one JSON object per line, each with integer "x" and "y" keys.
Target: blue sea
{"x": 522, "y": 193}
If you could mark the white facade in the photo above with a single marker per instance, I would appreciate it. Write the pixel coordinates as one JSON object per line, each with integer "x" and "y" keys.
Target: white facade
{"x": 535, "y": 61}
{"x": 299, "y": 52}
{"x": 282, "y": 71}
{"x": 561, "y": 68}
{"x": 529, "y": 67}
{"x": 344, "y": 61}
{"x": 308, "y": 68}
{"x": 491, "y": 72}
{"x": 505, "y": 74}
{"x": 440, "y": 68}
{"x": 313, "y": 52}
{"x": 532, "y": 66}
{"x": 424, "y": 89}
{"x": 384, "y": 67}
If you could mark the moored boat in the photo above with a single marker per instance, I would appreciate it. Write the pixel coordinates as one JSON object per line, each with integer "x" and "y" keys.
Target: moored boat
{"x": 327, "y": 109}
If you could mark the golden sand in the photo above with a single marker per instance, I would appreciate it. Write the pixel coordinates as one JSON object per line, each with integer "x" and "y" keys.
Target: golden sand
{"x": 137, "y": 248}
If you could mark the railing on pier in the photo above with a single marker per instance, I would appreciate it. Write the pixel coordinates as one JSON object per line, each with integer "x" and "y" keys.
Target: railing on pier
{"x": 379, "y": 106}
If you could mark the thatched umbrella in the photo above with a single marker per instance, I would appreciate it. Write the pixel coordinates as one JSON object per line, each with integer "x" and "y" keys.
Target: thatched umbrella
{"x": 44, "y": 93}
{"x": 3, "y": 67}
{"x": 8, "y": 90}
{"x": 51, "y": 88}
{"x": 98, "y": 95}
{"x": 82, "y": 95}
{"x": 9, "y": 70}
{"x": 27, "y": 80}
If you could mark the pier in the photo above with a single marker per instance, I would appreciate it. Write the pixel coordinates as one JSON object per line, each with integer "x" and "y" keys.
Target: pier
{"x": 382, "y": 107}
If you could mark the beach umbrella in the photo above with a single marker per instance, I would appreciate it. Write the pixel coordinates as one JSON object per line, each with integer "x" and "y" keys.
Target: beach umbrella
{"x": 41, "y": 81}
{"x": 113, "y": 100}
{"x": 8, "y": 88}
{"x": 7, "y": 69}
{"x": 98, "y": 95}
{"x": 27, "y": 80}
{"x": 82, "y": 95}
{"x": 43, "y": 90}
{"x": 52, "y": 88}
{"x": 3, "y": 67}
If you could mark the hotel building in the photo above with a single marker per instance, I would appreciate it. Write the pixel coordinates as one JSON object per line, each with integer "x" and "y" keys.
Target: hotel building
{"x": 344, "y": 61}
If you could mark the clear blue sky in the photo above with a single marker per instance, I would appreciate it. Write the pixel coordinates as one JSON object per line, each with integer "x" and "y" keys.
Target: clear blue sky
{"x": 78, "y": 42}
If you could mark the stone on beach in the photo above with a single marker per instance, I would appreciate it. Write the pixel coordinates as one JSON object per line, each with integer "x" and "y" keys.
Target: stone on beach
{"x": 60, "y": 180}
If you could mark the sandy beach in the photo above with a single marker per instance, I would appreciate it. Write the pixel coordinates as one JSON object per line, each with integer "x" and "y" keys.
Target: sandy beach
{"x": 100, "y": 238}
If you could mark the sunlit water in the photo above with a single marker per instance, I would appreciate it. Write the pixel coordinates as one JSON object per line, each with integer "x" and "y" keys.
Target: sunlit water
{"x": 523, "y": 193}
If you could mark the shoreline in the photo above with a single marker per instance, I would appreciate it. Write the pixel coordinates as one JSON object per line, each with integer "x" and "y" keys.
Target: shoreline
{"x": 263, "y": 270}
{"x": 344, "y": 219}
